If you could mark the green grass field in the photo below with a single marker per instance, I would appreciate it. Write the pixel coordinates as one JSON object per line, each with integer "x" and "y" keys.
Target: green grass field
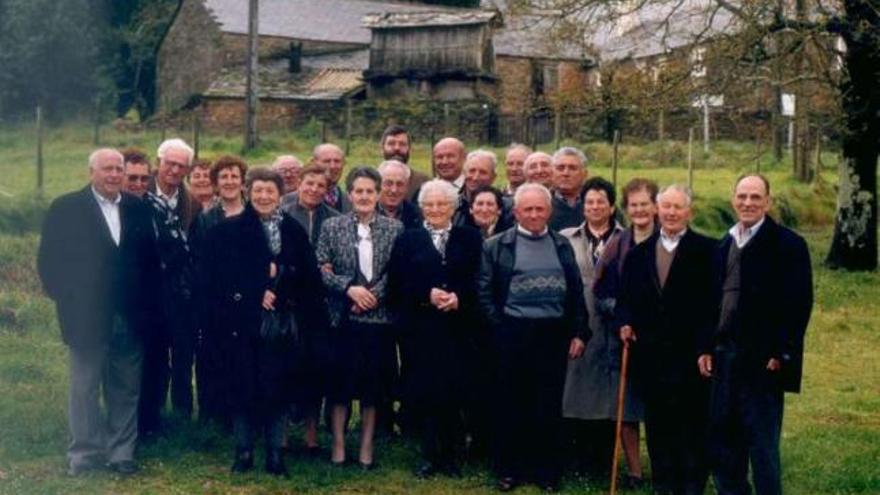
{"x": 831, "y": 439}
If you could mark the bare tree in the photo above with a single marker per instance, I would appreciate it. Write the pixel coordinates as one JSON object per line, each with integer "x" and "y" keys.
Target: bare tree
{"x": 811, "y": 48}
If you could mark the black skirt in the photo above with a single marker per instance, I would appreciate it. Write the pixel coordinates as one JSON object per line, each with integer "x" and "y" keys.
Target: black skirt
{"x": 364, "y": 364}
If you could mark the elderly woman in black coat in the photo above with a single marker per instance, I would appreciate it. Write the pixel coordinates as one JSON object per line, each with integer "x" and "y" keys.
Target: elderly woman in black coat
{"x": 354, "y": 251}
{"x": 434, "y": 274}
{"x": 264, "y": 300}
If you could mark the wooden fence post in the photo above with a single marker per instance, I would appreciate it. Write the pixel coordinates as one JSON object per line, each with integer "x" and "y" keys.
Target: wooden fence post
{"x": 347, "y": 126}
{"x": 196, "y": 132}
{"x": 614, "y": 157}
{"x": 691, "y": 159}
{"x": 96, "y": 135}
{"x": 39, "y": 152}
{"x": 557, "y": 127}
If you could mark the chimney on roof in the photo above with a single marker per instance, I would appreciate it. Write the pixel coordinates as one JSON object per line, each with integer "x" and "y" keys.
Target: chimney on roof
{"x": 294, "y": 57}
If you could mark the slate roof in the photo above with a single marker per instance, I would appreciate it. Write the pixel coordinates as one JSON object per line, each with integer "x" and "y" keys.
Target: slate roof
{"x": 341, "y": 21}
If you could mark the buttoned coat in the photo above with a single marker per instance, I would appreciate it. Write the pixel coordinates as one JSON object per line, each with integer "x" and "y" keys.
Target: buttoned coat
{"x": 775, "y": 302}
{"x": 234, "y": 278}
{"x": 668, "y": 320}
{"x": 337, "y": 246}
{"x": 442, "y": 342}
{"x": 88, "y": 276}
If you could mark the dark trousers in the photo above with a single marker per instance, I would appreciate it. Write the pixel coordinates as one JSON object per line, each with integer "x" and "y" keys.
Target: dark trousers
{"x": 746, "y": 424}
{"x": 246, "y": 426}
{"x": 675, "y": 425}
{"x": 168, "y": 355}
{"x": 210, "y": 384}
{"x": 530, "y": 358}
{"x": 592, "y": 444}
{"x": 440, "y": 432}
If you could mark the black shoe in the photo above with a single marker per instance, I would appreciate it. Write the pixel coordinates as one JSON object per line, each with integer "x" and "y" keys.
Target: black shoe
{"x": 83, "y": 468}
{"x": 123, "y": 468}
{"x": 368, "y": 466}
{"x": 244, "y": 461}
{"x": 451, "y": 470}
{"x": 506, "y": 484}
{"x": 314, "y": 452}
{"x": 426, "y": 470}
{"x": 631, "y": 482}
{"x": 275, "y": 463}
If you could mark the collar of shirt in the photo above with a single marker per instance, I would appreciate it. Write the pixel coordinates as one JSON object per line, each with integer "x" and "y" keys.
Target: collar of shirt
{"x": 522, "y": 230}
{"x": 104, "y": 201}
{"x": 459, "y": 182}
{"x": 742, "y": 235}
{"x": 171, "y": 201}
{"x": 670, "y": 242}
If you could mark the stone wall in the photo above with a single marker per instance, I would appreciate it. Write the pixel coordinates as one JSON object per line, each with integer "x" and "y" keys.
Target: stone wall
{"x": 514, "y": 83}
{"x": 227, "y": 114}
{"x": 190, "y": 56}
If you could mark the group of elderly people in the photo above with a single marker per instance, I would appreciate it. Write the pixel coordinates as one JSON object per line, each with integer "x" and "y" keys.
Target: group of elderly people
{"x": 494, "y": 319}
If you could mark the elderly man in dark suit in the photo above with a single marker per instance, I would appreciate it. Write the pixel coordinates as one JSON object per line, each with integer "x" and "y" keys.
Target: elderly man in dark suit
{"x": 665, "y": 304}
{"x": 530, "y": 292}
{"x": 169, "y": 352}
{"x": 95, "y": 253}
{"x": 755, "y": 353}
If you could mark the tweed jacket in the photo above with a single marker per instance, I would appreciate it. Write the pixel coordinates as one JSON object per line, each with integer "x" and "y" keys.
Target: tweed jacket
{"x": 337, "y": 246}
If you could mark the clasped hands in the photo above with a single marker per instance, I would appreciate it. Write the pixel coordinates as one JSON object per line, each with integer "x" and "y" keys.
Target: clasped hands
{"x": 443, "y": 300}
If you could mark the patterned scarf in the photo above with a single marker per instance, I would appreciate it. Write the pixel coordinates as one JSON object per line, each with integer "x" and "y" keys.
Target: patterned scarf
{"x": 439, "y": 237}
{"x": 272, "y": 228}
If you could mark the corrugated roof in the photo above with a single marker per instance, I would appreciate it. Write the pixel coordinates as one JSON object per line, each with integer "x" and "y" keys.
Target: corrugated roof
{"x": 422, "y": 19}
{"x": 276, "y": 82}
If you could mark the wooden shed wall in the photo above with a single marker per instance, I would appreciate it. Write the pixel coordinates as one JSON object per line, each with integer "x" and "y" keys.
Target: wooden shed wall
{"x": 433, "y": 48}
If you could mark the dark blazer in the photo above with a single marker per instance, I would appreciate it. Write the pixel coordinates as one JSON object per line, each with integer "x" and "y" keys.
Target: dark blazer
{"x": 496, "y": 270}
{"x": 88, "y": 276}
{"x": 343, "y": 203}
{"x": 235, "y": 275}
{"x": 775, "y": 302}
{"x": 668, "y": 320}
{"x": 290, "y": 205}
{"x": 410, "y": 214}
{"x": 337, "y": 245}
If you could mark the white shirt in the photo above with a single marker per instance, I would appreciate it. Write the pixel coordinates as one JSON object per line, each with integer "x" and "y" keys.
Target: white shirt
{"x": 459, "y": 182}
{"x": 670, "y": 242}
{"x": 171, "y": 201}
{"x": 526, "y": 232}
{"x": 365, "y": 251}
{"x": 742, "y": 235}
{"x": 110, "y": 210}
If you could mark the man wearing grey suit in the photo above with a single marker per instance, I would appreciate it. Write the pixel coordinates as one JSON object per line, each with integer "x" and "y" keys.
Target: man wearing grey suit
{"x": 94, "y": 256}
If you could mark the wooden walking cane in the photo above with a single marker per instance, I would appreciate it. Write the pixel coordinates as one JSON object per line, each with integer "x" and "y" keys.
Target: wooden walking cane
{"x": 621, "y": 394}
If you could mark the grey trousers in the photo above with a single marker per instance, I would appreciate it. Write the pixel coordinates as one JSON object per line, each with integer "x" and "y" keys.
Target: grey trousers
{"x": 115, "y": 370}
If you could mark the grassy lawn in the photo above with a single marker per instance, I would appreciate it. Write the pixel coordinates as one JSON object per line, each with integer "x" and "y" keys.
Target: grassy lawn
{"x": 831, "y": 438}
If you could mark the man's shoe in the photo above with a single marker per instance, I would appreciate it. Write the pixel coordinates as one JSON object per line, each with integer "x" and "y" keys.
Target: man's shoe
{"x": 631, "y": 482}
{"x": 82, "y": 468}
{"x": 506, "y": 484}
{"x": 244, "y": 461}
{"x": 275, "y": 463}
{"x": 426, "y": 470}
{"x": 124, "y": 468}
{"x": 452, "y": 470}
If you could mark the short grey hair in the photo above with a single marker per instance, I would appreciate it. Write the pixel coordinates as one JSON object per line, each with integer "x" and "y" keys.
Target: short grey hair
{"x": 286, "y": 158}
{"x": 98, "y": 153}
{"x": 519, "y": 146}
{"x": 175, "y": 144}
{"x": 529, "y": 187}
{"x": 388, "y": 164}
{"x": 481, "y": 153}
{"x": 570, "y": 151}
{"x": 441, "y": 186}
{"x": 534, "y": 156}
{"x": 688, "y": 194}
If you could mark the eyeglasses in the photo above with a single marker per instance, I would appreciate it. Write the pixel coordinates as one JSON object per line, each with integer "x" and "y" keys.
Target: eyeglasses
{"x": 138, "y": 178}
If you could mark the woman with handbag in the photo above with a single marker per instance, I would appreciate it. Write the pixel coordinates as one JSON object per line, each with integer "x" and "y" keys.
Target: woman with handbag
{"x": 354, "y": 251}
{"x": 264, "y": 303}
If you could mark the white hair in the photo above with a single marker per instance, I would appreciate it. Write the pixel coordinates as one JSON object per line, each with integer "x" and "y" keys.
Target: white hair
{"x": 688, "y": 194}
{"x": 286, "y": 158}
{"x": 481, "y": 153}
{"x": 519, "y": 146}
{"x": 531, "y": 186}
{"x": 441, "y": 186}
{"x": 175, "y": 144}
{"x": 534, "y": 156}
{"x": 95, "y": 155}
{"x": 388, "y": 164}
{"x": 570, "y": 151}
